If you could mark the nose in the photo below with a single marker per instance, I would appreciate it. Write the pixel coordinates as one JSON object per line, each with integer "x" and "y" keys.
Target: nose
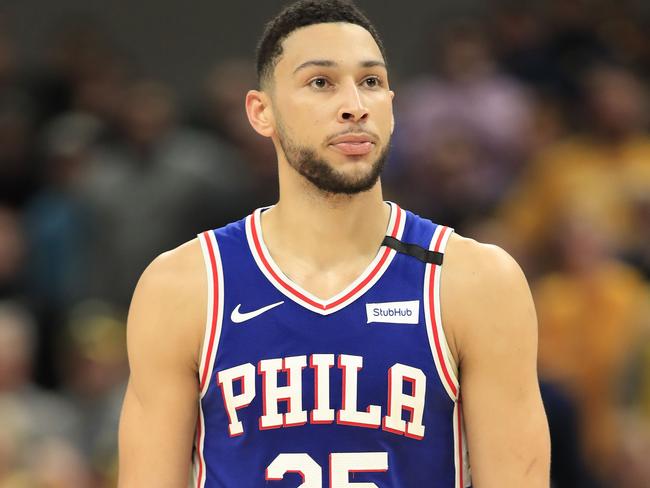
{"x": 352, "y": 107}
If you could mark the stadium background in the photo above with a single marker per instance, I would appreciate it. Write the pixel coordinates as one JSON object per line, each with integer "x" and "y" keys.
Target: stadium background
{"x": 122, "y": 134}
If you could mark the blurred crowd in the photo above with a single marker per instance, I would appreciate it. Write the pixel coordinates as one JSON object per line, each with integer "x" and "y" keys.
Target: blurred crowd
{"x": 529, "y": 131}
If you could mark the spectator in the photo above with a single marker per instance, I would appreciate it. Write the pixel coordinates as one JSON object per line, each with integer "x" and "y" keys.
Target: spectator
{"x": 172, "y": 183}
{"x": 591, "y": 313}
{"x": 95, "y": 372}
{"x": 595, "y": 169}
{"x": 224, "y": 116}
{"x": 56, "y": 220}
{"x": 31, "y": 413}
{"x": 465, "y": 130}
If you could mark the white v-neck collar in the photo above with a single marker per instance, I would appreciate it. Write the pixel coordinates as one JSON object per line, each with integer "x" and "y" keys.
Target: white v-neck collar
{"x": 295, "y": 292}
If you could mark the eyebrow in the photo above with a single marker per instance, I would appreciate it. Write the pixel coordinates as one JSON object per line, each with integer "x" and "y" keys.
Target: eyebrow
{"x": 331, "y": 64}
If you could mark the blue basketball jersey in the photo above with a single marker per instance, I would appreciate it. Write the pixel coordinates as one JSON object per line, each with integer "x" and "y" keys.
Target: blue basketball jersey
{"x": 359, "y": 390}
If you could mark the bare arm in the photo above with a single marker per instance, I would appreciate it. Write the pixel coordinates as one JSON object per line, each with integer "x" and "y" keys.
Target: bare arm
{"x": 163, "y": 336}
{"x": 490, "y": 316}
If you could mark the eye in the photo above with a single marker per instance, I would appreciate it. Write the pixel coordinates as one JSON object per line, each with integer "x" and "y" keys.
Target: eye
{"x": 373, "y": 82}
{"x": 319, "y": 83}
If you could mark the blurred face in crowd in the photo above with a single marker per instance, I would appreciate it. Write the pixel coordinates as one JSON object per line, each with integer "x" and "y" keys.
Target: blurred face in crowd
{"x": 148, "y": 112}
{"x": 329, "y": 109}
{"x": 465, "y": 52}
{"x": 617, "y": 100}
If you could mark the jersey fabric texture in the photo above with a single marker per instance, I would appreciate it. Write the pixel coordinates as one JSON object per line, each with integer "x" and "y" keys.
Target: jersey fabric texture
{"x": 359, "y": 390}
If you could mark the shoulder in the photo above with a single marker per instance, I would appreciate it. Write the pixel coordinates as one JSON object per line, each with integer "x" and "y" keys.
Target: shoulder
{"x": 484, "y": 295}
{"x": 169, "y": 302}
{"x": 478, "y": 264}
{"x": 174, "y": 270}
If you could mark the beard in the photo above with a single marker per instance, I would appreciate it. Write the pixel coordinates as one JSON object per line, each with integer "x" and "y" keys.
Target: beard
{"x": 320, "y": 173}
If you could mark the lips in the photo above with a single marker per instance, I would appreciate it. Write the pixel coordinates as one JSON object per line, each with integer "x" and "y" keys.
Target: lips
{"x": 353, "y": 144}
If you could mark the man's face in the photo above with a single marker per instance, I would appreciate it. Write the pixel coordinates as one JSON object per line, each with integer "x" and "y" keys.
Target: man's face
{"x": 333, "y": 107}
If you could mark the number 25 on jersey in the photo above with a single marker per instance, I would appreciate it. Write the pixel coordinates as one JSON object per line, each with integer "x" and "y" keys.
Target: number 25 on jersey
{"x": 341, "y": 465}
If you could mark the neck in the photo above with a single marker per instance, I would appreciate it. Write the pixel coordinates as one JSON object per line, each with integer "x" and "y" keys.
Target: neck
{"x": 325, "y": 229}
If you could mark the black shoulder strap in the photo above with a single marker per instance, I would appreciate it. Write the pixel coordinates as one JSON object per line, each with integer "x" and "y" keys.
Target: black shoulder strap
{"x": 418, "y": 252}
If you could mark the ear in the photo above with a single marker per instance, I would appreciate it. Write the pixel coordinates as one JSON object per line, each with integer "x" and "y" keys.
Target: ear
{"x": 260, "y": 113}
{"x": 392, "y": 116}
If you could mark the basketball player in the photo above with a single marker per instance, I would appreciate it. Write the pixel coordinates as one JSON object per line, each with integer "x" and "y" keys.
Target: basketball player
{"x": 348, "y": 342}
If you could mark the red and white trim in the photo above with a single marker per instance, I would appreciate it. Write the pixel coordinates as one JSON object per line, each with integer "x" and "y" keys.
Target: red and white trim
{"x": 214, "y": 318}
{"x": 444, "y": 361}
{"x": 439, "y": 348}
{"x": 463, "y": 476}
{"x": 368, "y": 278}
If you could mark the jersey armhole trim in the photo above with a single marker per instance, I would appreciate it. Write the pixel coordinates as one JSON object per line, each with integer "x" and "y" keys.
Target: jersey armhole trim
{"x": 445, "y": 365}
{"x": 214, "y": 312}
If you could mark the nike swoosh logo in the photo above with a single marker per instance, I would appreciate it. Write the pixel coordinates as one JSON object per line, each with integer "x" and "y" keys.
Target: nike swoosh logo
{"x": 237, "y": 317}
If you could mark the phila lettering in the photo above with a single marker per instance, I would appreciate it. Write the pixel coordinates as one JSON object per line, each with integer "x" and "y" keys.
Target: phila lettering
{"x": 353, "y": 412}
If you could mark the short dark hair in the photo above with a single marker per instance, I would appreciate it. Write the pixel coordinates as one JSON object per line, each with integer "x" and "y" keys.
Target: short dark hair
{"x": 302, "y": 14}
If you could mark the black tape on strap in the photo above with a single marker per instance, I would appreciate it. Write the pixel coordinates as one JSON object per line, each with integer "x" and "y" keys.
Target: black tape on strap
{"x": 418, "y": 252}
